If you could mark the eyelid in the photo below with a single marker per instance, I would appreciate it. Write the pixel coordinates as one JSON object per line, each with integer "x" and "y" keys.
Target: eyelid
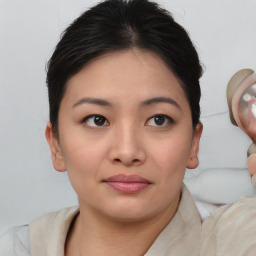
{"x": 85, "y": 119}
{"x": 169, "y": 119}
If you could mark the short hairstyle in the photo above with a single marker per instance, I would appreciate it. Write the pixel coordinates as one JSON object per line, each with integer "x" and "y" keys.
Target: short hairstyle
{"x": 114, "y": 25}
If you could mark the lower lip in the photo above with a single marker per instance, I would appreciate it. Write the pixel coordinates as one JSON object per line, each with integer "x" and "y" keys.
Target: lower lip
{"x": 128, "y": 187}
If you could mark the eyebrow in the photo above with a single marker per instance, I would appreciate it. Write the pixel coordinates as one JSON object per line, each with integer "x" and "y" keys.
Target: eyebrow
{"x": 95, "y": 101}
{"x": 102, "y": 102}
{"x": 161, "y": 100}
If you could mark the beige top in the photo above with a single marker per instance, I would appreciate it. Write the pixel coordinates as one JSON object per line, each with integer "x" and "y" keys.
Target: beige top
{"x": 181, "y": 237}
{"x": 231, "y": 230}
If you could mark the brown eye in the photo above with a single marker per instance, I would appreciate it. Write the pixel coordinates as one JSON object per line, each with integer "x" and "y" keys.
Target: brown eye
{"x": 95, "y": 120}
{"x": 159, "y": 120}
{"x": 99, "y": 120}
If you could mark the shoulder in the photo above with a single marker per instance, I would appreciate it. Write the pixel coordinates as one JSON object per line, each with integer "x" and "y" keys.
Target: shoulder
{"x": 15, "y": 242}
{"x": 56, "y": 218}
{"x": 48, "y": 233}
{"x": 236, "y": 215}
{"x": 231, "y": 230}
{"x": 19, "y": 241}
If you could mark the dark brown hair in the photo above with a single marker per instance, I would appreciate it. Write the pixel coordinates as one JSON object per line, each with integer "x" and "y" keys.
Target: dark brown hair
{"x": 117, "y": 25}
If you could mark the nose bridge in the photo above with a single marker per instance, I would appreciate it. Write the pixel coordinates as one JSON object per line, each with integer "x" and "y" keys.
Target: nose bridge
{"x": 127, "y": 147}
{"x": 127, "y": 138}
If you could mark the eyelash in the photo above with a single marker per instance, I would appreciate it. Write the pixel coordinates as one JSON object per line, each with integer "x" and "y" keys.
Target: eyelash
{"x": 85, "y": 120}
{"x": 166, "y": 119}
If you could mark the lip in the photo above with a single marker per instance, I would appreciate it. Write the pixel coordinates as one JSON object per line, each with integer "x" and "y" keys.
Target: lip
{"x": 127, "y": 184}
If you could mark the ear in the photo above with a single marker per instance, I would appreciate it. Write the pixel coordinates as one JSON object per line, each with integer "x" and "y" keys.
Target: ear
{"x": 56, "y": 152}
{"x": 193, "y": 158}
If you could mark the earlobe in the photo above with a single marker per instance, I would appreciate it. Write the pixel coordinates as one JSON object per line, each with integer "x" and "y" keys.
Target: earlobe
{"x": 193, "y": 158}
{"x": 56, "y": 153}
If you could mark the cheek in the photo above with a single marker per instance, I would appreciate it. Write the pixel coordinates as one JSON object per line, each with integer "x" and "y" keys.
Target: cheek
{"x": 83, "y": 162}
{"x": 82, "y": 156}
{"x": 170, "y": 159}
{"x": 172, "y": 153}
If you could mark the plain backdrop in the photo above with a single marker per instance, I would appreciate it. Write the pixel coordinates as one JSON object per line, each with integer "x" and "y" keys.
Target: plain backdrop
{"x": 223, "y": 32}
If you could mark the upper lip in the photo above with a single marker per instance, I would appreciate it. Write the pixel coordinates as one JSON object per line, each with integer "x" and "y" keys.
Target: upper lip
{"x": 127, "y": 178}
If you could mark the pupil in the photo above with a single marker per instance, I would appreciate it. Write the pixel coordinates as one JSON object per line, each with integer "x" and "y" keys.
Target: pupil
{"x": 99, "y": 120}
{"x": 159, "y": 120}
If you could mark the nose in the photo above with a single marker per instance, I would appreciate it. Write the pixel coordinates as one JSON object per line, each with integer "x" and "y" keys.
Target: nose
{"x": 127, "y": 148}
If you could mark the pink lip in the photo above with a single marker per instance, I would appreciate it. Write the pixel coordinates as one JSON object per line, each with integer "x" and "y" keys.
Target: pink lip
{"x": 128, "y": 184}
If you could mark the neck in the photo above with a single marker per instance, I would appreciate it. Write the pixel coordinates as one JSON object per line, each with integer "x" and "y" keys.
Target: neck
{"x": 94, "y": 234}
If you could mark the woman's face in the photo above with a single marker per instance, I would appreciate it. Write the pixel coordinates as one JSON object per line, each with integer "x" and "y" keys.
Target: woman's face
{"x": 125, "y": 135}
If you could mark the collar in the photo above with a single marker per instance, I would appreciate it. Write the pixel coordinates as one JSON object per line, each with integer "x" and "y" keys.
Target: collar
{"x": 180, "y": 236}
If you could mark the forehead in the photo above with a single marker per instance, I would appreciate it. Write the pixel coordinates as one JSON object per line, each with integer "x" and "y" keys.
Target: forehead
{"x": 131, "y": 74}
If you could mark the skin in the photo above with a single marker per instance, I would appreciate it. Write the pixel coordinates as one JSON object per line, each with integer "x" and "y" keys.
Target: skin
{"x": 128, "y": 142}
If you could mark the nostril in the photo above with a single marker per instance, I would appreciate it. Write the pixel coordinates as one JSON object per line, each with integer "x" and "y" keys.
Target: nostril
{"x": 127, "y": 161}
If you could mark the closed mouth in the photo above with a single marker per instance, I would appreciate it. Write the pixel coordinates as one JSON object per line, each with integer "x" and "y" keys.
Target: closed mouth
{"x": 127, "y": 184}
{"x": 126, "y": 178}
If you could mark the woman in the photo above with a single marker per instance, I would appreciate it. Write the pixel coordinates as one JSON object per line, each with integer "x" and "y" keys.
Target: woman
{"x": 124, "y": 95}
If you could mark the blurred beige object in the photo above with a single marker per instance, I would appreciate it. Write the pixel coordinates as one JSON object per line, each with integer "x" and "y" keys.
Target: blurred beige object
{"x": 252, "y": 167}
{"x": 233, "y": 84}
{"x": 231, "y": 230}
{"x": 241, "y": 98}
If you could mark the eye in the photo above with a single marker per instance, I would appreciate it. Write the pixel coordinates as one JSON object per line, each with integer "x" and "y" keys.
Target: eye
{"x": 95, "y": 120}
{"x": 159, "y": 120}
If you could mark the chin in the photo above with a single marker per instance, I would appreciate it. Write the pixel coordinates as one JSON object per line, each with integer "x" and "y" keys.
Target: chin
{"x": 130, "y": 213}
{"x": 131, "y": 217}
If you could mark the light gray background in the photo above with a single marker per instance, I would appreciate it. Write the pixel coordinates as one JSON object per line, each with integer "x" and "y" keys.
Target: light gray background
{"x": 224, "y": 32}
